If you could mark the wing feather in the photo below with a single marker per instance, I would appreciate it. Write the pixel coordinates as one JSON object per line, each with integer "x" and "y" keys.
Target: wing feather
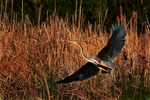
{"x": 86, "y": 71}
{"x": 114, "y": 45}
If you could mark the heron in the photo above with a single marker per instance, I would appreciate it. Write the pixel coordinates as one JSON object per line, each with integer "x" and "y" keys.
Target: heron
{"x": 102, "y": 61}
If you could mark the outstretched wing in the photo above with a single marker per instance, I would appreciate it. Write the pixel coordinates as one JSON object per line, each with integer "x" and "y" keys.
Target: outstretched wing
{"x": 114, "y": 45}
{"x": 86, "y": 71}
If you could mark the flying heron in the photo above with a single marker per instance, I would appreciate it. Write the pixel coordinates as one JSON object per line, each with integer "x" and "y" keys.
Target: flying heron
{"x": 102, "y": 61}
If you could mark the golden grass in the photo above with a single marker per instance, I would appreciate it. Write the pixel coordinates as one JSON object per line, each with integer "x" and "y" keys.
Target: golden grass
{"x": 32, "y": 56}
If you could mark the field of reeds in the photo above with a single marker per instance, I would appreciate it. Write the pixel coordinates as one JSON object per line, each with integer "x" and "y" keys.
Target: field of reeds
{"x": 32, "y": 56}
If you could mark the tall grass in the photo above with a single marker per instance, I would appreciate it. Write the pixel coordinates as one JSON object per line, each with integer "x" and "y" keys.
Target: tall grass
{"x": 31, "y": 56}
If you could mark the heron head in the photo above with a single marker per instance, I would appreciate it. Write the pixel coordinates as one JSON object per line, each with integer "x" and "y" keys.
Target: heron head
{"x": 75, "y": 42}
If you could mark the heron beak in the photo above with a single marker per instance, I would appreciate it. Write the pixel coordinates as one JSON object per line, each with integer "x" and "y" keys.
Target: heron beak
{"x": 70, "y": 41}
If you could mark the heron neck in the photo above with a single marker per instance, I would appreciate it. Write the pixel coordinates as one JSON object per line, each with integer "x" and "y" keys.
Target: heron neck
{"x": 85, "y": 57}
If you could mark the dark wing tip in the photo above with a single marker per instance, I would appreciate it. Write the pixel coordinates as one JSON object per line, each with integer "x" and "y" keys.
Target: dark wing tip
{"x": 51, "y": 83}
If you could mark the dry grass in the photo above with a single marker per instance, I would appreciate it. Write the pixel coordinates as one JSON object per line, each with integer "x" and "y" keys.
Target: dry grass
{"x": 31, "y": 56}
